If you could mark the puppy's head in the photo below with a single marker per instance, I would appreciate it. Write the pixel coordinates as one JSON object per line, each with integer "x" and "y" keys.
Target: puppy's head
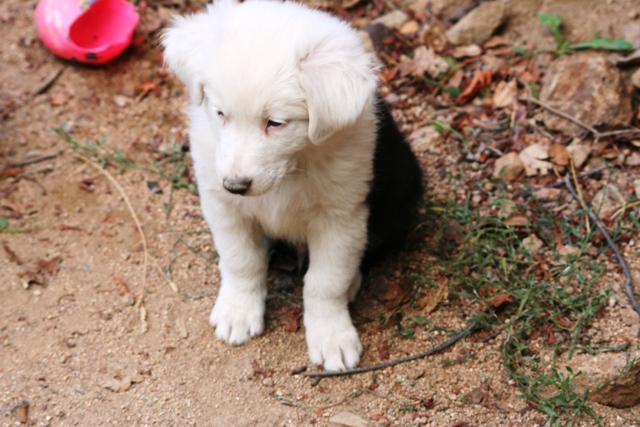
{"x": 271, "y": 78}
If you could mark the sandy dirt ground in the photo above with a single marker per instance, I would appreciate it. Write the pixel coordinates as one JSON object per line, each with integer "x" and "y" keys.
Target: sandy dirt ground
{"x": 76, "y": 352}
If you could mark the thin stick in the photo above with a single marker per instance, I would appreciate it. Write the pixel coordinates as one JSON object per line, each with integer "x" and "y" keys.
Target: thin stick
{"x": 599, "y": 135}
{"x": 628, "y": 281}
{"x": 561, "y": 114}
{"x": 579, "y": 191}
{"x": 429, "y": 352}
{"x": 561, "y": 183}
{"x": 619, "y": 132}
{"x": 129, "y": 206}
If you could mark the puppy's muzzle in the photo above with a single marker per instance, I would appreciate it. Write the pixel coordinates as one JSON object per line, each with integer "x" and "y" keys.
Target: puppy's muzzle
{"x": 237, "y": 185}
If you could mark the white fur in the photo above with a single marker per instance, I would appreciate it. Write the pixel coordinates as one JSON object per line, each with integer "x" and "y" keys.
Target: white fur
{"x": 260, "y": 61}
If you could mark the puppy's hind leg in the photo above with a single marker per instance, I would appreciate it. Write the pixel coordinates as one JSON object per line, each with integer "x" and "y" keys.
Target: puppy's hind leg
{"x": 238, "y": 313}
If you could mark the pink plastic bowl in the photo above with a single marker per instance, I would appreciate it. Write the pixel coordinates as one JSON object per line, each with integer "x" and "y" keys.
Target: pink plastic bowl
{"x": 90, "y": 31}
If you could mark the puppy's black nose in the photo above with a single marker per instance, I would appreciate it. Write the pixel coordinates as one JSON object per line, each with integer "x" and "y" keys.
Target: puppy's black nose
{"x": 237, "y": 185}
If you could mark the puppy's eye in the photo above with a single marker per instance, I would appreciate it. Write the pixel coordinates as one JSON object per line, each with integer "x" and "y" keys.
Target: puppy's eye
{"x": 221, "y": 114}
{"x": 274, "y": 124}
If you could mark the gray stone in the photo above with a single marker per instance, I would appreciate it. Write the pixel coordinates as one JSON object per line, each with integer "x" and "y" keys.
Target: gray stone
{"x": 424, "y": 138}
{"x": 393, "y": 19}
{"x": 348, "y": 419}
{"x": 587, "y": 87}
{"x": 622, "y": 378}
{"x": 478, "y": 25}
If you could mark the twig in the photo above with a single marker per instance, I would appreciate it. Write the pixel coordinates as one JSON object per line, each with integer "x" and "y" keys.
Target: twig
{"x": 429, "y": 352}
{"x": 579, "y": 191}
{"x": 129, "y": 206}
{"x": 561, "y": 183}
{"x": 619, "y": 132}
{"x": 31, "y": 160}
{"x": 598, "y": 135}
{"x": 294, "y": 402}
{"x": 628, "y": 281}
{"x": 561, "y": 114}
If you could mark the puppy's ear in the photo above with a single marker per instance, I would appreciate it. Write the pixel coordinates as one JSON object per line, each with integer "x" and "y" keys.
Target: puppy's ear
{"x": 339, "y": 81}
{"x": 186, "y": 45}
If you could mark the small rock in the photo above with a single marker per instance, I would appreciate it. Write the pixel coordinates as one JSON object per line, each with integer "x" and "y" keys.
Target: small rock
{"x": 182, "y": 328}
{"x": 393, "y": 19}
{"x": 121, "y": 100}
{"x": 268, "y": 382}
{"x": 22, "y": 411}
{"x": 532, "y": 243}
{"x": 568, "y": 250}
{"x": 534, "y": 159}
{"x": 409, "y": 28}
{"x": 365, "y": 38}
{"x": 348, "y": 419}
{"x": 579, "y": 152}
{"x": 585, "y": 86}
{"x": 470, "y": 51}
{"x": 607, "y": 201}
{"x": 477, "y": 26}
{"x": 508, "y": 167}
{"x": 629, "y": 316}
{"x": 477, "y": 395}
{"x": 507, "y": 209}
{"x": 448, "y": 10}
{"x": 623, "y": 388}
{"x": 417, "y": 374}
{"x": 424, "y": 138}
{"x": 633, "y": 159}
{"x": 493, "y": 63}
{"x": 548, "y": 194}
{"x": 127, "y": 300}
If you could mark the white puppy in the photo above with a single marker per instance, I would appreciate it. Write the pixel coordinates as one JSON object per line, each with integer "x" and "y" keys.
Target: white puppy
{"x": 284, "y": 129}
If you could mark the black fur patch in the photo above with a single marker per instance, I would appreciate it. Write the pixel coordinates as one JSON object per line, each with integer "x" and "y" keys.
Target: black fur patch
{"x": 395, "y": 190}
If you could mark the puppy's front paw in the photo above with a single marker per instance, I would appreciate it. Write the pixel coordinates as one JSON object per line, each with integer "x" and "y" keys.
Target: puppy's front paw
{"x": 238, "y": 317}
{"x": 333, "y": 343}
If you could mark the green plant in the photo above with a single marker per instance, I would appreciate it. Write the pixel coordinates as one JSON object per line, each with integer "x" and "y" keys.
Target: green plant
{"x": 554, "y": 22}
{"x": 543, "y": 301}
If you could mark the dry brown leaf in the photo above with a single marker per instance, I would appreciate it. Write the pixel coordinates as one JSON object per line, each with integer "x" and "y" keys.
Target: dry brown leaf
{"x": 424, "y": 60}
{"x": 505, "y": 94}
{"x": 393, "y": 293}
{"x": 559, "y": 154}
{"x": 121, "y": 287}
{"x": 60, "y": 99}
{"x": 10, "y": 172}
{"x": 293, "y": 320}
{"x": 266, "y": 372}
{"x": 40, "y": 271}
{"x": 500, "y": 300}
{"x": 481, "y": 79}
{"x": 119, "y": 385}
{"x": 516, "y": 221}
{"x": 534, "y": 158}
{"x": 430, "y": 301}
